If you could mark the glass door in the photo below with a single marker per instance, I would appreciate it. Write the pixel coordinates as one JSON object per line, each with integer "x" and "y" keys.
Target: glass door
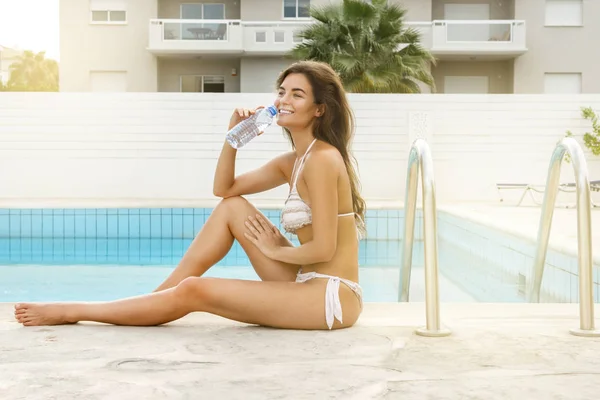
{"x": 199, "y": 31}
{"x": 215, "y": 11}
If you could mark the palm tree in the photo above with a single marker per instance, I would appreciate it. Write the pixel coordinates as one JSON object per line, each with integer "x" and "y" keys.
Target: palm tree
{"x": 368, "y": 45}
{"x": 33, "y": 73}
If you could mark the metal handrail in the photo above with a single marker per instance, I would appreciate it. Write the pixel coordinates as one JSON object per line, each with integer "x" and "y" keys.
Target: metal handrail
{"x": 584, "y": 233}
{"x": 420, "y": 157}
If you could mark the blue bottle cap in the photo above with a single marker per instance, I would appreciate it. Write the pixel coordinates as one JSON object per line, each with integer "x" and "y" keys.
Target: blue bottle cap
{"x": 272, "y": 110}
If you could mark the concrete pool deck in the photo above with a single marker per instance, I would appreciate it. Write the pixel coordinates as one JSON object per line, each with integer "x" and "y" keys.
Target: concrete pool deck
{"x": 496, "y": 351}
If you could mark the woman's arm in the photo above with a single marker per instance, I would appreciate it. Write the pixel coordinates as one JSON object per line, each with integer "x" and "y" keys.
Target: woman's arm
{"x": 269, "y": 176}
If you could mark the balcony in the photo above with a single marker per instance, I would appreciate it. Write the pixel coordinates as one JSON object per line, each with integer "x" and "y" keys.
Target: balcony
{"x": 490, "y": 39}
{"x": 446, "y": 39}
{"x": 195, "y": 36}
{"x": 177, "y": 36}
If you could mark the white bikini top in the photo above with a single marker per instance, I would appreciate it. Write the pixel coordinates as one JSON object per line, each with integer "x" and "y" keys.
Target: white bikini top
{"x": 296, "y": 213}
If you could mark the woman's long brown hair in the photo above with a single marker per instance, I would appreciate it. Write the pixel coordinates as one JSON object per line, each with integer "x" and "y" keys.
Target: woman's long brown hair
{"x": 336, "y": 125}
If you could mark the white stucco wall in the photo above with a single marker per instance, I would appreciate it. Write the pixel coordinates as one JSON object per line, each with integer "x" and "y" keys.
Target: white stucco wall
{"x": 139, "y": 149}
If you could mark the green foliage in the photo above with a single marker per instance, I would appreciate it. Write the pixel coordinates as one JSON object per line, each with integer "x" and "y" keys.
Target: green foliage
{"x": 368, "y": 45}
{"x": 591, "y": 140}
{"x": 32, "y": 73}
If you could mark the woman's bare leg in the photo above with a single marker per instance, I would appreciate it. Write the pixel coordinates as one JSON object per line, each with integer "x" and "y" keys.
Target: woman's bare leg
{"x": 276, "y": 304}
{"x": 226, "y": 223}
{"x": 215, "y": 239}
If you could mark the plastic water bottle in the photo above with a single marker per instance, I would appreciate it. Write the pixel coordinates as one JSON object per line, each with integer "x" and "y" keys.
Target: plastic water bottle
{"x": 251, "y": 127}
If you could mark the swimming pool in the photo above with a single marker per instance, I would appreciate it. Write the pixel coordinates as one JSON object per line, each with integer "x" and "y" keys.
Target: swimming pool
{"x": 103, "y": 254}
{"x": 106, "y": 253}
{"x": 148, "y": 251}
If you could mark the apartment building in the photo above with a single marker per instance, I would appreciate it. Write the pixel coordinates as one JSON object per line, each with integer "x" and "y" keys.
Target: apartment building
{"x": 482, "y": 46}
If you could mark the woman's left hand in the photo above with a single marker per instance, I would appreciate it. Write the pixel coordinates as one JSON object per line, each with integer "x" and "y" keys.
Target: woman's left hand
{"x": 263, "y": 235}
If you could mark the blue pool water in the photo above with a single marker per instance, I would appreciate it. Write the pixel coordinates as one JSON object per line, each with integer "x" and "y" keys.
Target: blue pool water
{"x": 103, "y": 254}
{"x": 148, "y": 251}
{"x": 145, "y": 236}
{"x": 107, "y": 269}
{"x": 80, "y": 269}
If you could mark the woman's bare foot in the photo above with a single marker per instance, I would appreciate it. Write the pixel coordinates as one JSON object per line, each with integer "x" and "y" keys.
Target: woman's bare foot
{"x": 35, "y": 314}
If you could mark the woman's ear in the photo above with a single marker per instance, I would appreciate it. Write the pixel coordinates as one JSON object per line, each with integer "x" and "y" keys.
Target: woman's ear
{"x": 320, "y": 110}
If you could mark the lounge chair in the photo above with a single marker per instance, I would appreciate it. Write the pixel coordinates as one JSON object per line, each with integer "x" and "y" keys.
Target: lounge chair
{"x": 531, "y": 189}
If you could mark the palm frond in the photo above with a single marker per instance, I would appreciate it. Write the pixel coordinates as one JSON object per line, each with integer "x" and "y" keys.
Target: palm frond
{"x": 325, "y": 13}
{"x": 361, "y": 40}
{"x": 358, "y": 11}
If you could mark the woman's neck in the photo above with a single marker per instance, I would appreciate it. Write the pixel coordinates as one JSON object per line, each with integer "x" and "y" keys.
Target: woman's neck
{"x": 301, "y": 142}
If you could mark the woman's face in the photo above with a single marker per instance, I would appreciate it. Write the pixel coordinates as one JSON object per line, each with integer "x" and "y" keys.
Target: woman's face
{"x": 295, "y": 103}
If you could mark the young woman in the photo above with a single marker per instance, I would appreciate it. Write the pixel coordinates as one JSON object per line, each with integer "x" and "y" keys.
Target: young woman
{"x": 303, "y": 287}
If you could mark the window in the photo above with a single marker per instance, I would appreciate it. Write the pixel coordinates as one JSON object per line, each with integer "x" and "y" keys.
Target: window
{"x": 108, "y": 11}
{"x": 279, "y": 36}
{"x": 562, "y": 83}
{"x": 202, "y": 84}
{"x": 109, "y": 16}
{"x": 465, "y": 32}
{"x": 260, "y": 37}
{"x": 202, "y": 11}
{"x": 296, "y": 8}
{"x": 564, "y": 13}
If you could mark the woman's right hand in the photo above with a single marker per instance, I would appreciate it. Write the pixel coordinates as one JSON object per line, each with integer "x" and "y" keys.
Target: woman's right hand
{"x": 240, "y": 114}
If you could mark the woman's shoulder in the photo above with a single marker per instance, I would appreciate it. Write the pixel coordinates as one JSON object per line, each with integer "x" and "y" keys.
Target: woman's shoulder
{"x": 324, "y": 155}
{"x": 329, "y": 151}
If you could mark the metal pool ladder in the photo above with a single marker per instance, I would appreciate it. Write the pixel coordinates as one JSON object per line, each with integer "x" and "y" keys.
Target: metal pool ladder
{"x": 420, "y": 157}
{"x": 584, "y": 233}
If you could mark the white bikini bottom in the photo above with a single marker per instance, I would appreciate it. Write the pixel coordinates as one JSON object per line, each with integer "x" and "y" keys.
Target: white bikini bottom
{"x": 333, "y": 307}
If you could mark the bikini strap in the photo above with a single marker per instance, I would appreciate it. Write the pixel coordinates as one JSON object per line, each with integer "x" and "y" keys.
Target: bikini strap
{"x": 294, "y": 169}
{"x": 301, "y": 163}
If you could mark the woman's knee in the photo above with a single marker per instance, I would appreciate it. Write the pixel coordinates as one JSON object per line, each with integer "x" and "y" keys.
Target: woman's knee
{"x": 232, "y": 203}
{"x": 235, "y": 209}
{"x": 193, "y": 290}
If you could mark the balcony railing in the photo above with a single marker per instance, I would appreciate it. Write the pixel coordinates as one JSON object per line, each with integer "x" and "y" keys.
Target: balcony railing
{"x": 223, "y": 36}
{"x": 478, "y": 36}
{"x": 452, "y": 37}
{"x": 195, "y": 35}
